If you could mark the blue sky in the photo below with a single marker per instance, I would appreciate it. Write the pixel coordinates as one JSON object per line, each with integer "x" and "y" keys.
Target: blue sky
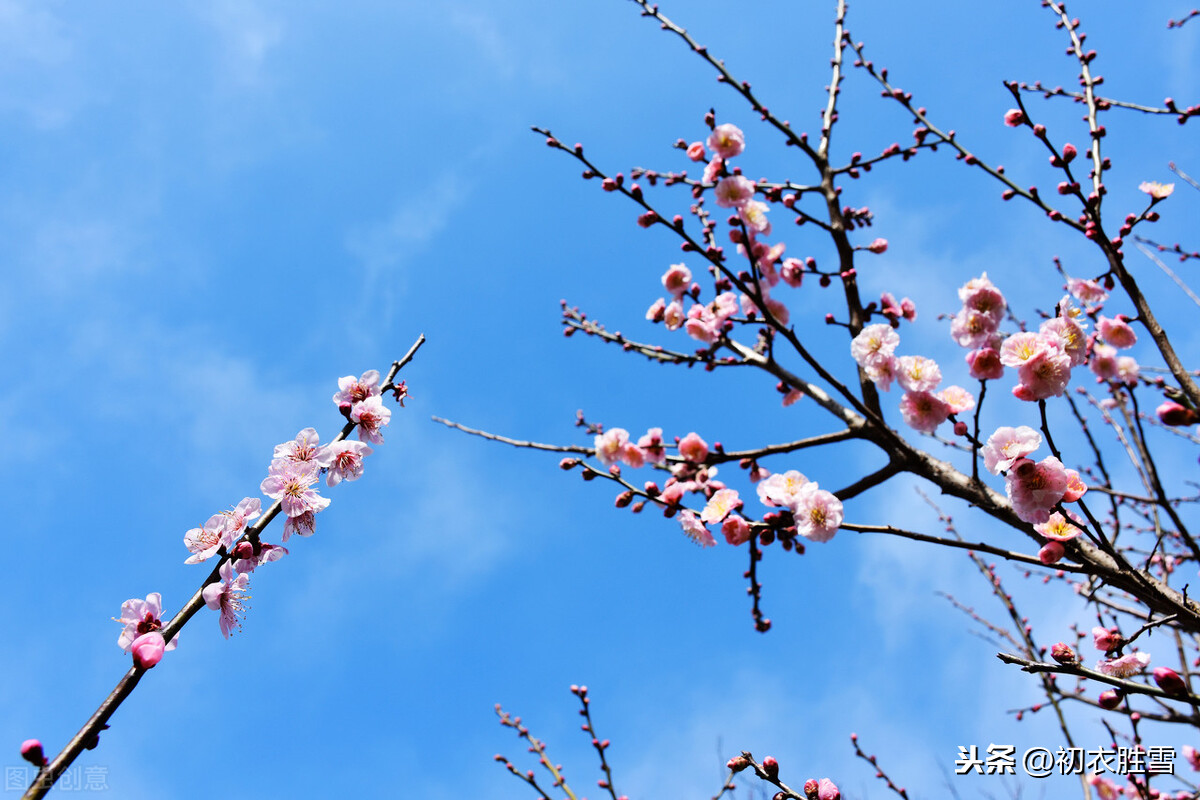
{"x": 211, "y": 211}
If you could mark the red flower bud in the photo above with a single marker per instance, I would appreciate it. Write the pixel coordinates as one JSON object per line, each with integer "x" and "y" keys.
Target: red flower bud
{"x": 1110, "y": 698}
{"x": 1169, "y": 681}
{"x": 770, "y": 766}
{"x": 31, "y": 751}
{"x": 1064, "y": 654}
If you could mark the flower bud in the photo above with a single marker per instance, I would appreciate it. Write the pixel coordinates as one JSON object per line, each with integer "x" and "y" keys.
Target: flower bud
{"x": 1172, "y": 413}
{"x": 810, "y": 788}
{"x": 1013, "y": 117}
{"x": 1110, "y": 699}
{"x": 31, "y": 751}
{"x": 878, "y": 246}
{"x": 1106, "y": 639}
{"x": 960, "y": 428}
{"x": 147, "y": 649}
{"x": 737, "y": 763}
{"x": 827, "y": 790}
{"x": 1051, "y": 552}
{"x": 770, "y": 766}
{"x": 1169, "y": 681}
{"x": 1064, "y": 654}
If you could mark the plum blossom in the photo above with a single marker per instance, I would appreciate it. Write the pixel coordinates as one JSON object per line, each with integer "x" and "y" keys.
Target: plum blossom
{"x": 754, "y": 214}
{"x": 651, "y": 445}
{"x": 874, "y": 343}
{"x": 1076, "y": 488}
{"x": 1106, "y": 639}
{"x": 657, "y": 310}
{"x": 266, "y": 554}
{"x": 1193, "y": 757}
{"x": 610, "y": 444}
{"x": 702, "y": 324}
{"x": 1088, "y": 292}
{"x": 228, "y": 596}
{"x": 344, "y": 460}
{"x": 970, "y": 328}
{"x": 712, "y": 169}
{"x": 305, "y": 447}
{"x": 1127, "y": 370}
{"x": 695, "y": 151}
{"x": 290, "y": 482}
{"x": 141, "y": 617}
{"x": 792, "y": 272}
{"x": 734, "y": 191}
{"x": 1156, "y": 190}
{"x": 882, "y": 373}
{"x": 923, "y": 411}
{"x": 828, "y": 790}
{"x": 351, "y": 391}
{"x": 147, "y": 649}
{"x": 221, "y": 530}
{"x": 1126, "y": 666}
{"x": 677, "y": 279}
{"x": 818, "y": 513}
{"x": 1116, "y": 332}
{"x": 673, "y": 316}
{"x": 1025, "y": 346}
{"x": 1105, "y": 789}
{"x": 1035, "y": 488}
{"x": 1103, "y": 361}
{"x": 301, "y": 525}
{"x": 370, "y": 415}
{"x": 984, "y": 364}
{"x": 1045, "y": 375}
{"x": 1014, "y": 117}
{"x": 721, "y": 505}
{"x": 918, "y": 373}
{"x": 781, "y": 489}
{"x": 727, "y": 141}
{"x": 693, "y": 448}
{"x": 736, "y": 530}
{"x": 878, "y": 246}
{"x": 1069, "y": 335}
{"x": 1007, "y": 445}
{"x": 1058, "y": 528}
{"x": 695, "y": 530}
{"x": 957, "y": 399}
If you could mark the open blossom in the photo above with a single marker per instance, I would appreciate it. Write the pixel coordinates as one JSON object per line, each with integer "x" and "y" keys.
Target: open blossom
{"x": 301, "y": 525}
{"x": 923, "y": 411}
{"x": 734, "y": 191}
{"x": 1106, "y": 639}
{"x": 657, "y": 310}
{"x": 1116, "y": 332}
{"x": 677, "y": 279}
{"x": 721, "y": 505}
{"x": 352, "y": 390}
{"x": 651, "y": 445}
{"x": 984, "y": 364}
{"x": 290, "y": 482}
{"x": 792, "y": 272}
{"x": 727, "y": 141}
{"x": 141, "y": 617}
{"x": 1088, "y": 292}
{"x": 610, "y": 444}
{"x": 695, "y": 151}
{"x": 305, "y": 447}
{"x": 754, "y": 214}
{"x": 228, "y": 596}
{"x": 266, "y": 554}
{"x": 970, "y": 328}
{"x": 221, "y": 530}
{"x": 1103, "y": 361}
{"x": 1045, "y": 375}
{"x": 344, "y": 460}
{"x": 957, "y": 399}
{"x": 1058, "y": 528}
{"x": 874, "y": 343}
{"x": 1126, "y": 666}
{"x": 693, "y": 448}
{"x": 1069, "y": 335}
{"x": 1025, "y": 346}
{"x": 818, "y": 513}
{"x": 712, "y": 169}
{"x": 370, "y": 415}
{"x": 695, "y": 530}
{"x": 1127, "y": 370}
{"x": 781, "y": 489}
{"x": 1035, "y": 488}
{"x": 1076, "y": 488}
{"x": 673, "y": 316}
{"x": 882, "y": 373}
{"x": 702, "y": 324}
{"x": 917, "y": 373}
{"x": 1156, "y": 190}
{"x": 1007, "y": 445}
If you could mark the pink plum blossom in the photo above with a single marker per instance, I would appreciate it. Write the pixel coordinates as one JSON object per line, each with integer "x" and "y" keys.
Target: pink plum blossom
{"x": 266, "y": 554}
{"x": 1116, "y": 332}
{"x": 792, "y": 396}
{"x": 818, "y": 513}
{"x": 140, "y": 617}
{"x": 351, "y": 390}
{"x": 918, "y": 373}
{"x": 1024, "y": 347}
{"x": 1193, "y": 757}
{"x": 1106, "y": 639}
{"x": 923, "y": 411}
{"x": 1051, "y": 553}
{"x": 1105, "y": 789}
{"x": 695, "y": 151}
{"x": 736, "y": 530}
{"x": 31, "y": 751}
{"x": 657, "y": 310}
{"x": 1045, "y": 375}
{"x": 1007, "y": 445}
{"x": 147, "y": 649}
{"x": 970, "y": 328}
{"x": 721, "y": 505}
{"x": 673, "y": 316}
{"x": 792, "y": 272}
{"x": 677, "y": 279}
{"x": 1058, "y": 528}
{"x": 882, "y": 373}
{"x": 1088, "y": 292}
{"x": 754, "y": 214}
{"x": 228, "y": 596}
{"x": 702, "y": 324}
{"x": 1126, "y": 666}
{"x": 693, "y": 448}
{"x": 305, "y": 447}
{"x": 1076, "y": 488}
{"x": 370, "y": 415}
{"x": 878, "y": 246}
{"x": 782, "y": 489}
{"x": 1014, "y": 117}
{"x": 984, "y": 364}
{"x": 1127, "y": 370}
{"x": 734, "y": 191}
{"x": 712, "y": 169}
{"x": 874, "y": 343}
{"x": 301, "y": 525}
{"x": 828, "y": 790}
{"x": 727, "y": 141}
{"x": 1156, "y": 190}
{"x": 695, "y": 530}
{"x": 203, "y": 543}
{"x": 610, "y": 444}
{"x": 651, "y": 445}
{"x": 974, "y": 285}
{"x": 290, "y": 482}
{"x": 1070, "y": 336}
{"x": 1103, "y": 361}
{"x": 344, "y": 460}
{"x": 1035, "y": 488}
{"x": 957, "y": 399}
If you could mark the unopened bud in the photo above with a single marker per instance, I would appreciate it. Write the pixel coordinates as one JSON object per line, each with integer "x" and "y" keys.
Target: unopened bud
{"x": 1063, "y": 654}
{"x": 148, "y": 649}
{"x": 1172, "y": 413}
{"x": 810, "y": 788}
{"x": 737, "y": 763}
{"x": 770, "y": 766}
{"x": 1110, "y": 699}
{"x": 31, "y": 751}
{"x": 1169, "y": 681}
{"x": 1051, "y": 553}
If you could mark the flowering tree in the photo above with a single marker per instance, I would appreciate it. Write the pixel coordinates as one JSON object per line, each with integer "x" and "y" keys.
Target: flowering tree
{"x": 1088, "y": 400}
{"x": 234, "y": 540}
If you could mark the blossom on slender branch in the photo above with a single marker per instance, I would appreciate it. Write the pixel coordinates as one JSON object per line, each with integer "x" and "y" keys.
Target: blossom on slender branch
{"x": 873, "y": 344}
{"x": 734, "y": 191}
{"x": 353, "y": 390}
{"x": 695, "y": 529}
{"x": 290, "y": 482}
{"x": 1126, "y": 666}
{"x": 721, "y": 505}
{"x": 923, "y": 411}
{"x": 228, "y": 596}
{"x": 1007, "y": 445}
{"x": 344, "y": 460}
{"x": 727, "y": 141}
{"x": 818, "y": 513}
{"x": 370, "y": 415}
{"x": 305, "y": 447}
{"x": 1035, "y": 488}
{"x": 140, "y": 617}
{"x": 1156, "y": 190}
{"x": 693, "y": 448}
{"x": 147, "y": 649}
{"x": 782, "y": 489}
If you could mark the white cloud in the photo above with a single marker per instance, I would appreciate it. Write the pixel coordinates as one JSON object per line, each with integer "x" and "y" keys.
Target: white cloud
{"x": 248, "y": 35}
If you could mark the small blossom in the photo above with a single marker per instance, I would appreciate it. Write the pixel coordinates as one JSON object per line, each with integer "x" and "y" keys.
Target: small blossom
{"x": 673, "y": 316}
{"x": 351, "y": 390}
{"x": 1156, "y": 190}
{"x": 677, "y": 279}
{"x": 1106, "y": 639}
{"x": 1116, "y": 332}
{"x": 1126, "y": 666}
{"x": 657, "y": 310}
{"x": 882, "y": 373}
{"x": 1045, "y": 375}
{"x": 712, "y": 169}
{"x": 1064, "y": 654}
{"x": 1106, "y": 789}
{"x": 721, "y": 505}
{"x": 1007, "y": 445}
{"x": 651, "y": 445}
{"x": 1127, "y": 370}
{"x": 344, "y": 460}
{"x": 695, "y": 530}
{"x": 301, "y": 525}
{"x": 1088, "y": 292}
{"x": 693, "y": 448}
{"x": 754, "y": 214}
{"x": 734, "y": 191}
{"x": 305, "y": 447}
{"x": 736, "y": 530}
{"x": 917, "y": 373}
{"x": 1103, "y": 361}
{"x": 228, "y": 596}
{"x": 141, "y": 617}
{"x": 1014, "y": 117}
{"x": 147, "y": 649}
{"x": 780, "y": 490}
{"x": 1058, "y": 528}
{"x": 1051, "y": 552}
{"x": 1193, "y": 757}
{"x": 878, "y": 246}
{"x": 1034, "y": 489}
{"x": 923, "y": 411}
{"x": 610, "y": 444}
{"x": 702, "y": 324}
{"x": 1069, "y": 334}
{"x": 695, "y": 151}
{"x": 818, "y": 513}
{"x": 290, "y": 482}
{"x": 957, "y": 399}
{"x": 874, "y": 343}
{"x": 1076, "y": 488}
{"x": 792, "y": 272}
{"x": 984, "y": 364}
{"x": 828, "y": 790}
{"x": 370, "y": 415}
{"x": 266, "y": 553}
{"x": 727, "y": 141}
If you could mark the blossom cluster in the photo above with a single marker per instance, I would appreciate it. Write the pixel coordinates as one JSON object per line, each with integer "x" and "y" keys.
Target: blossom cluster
{"x": 1034, "y": 488}
{"x": 292, "y": 477}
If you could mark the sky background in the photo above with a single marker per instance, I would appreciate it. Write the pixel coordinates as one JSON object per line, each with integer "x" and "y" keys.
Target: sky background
{"x": 212, "y": 210}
